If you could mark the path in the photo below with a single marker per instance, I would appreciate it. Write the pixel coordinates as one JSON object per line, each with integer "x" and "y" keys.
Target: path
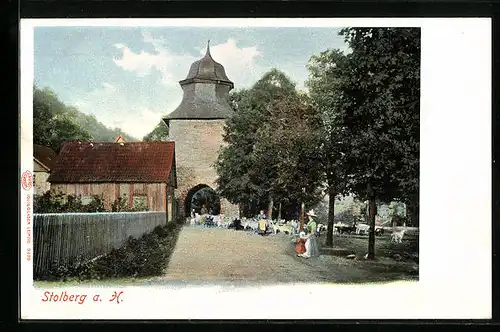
{"x": 214, "y": 254}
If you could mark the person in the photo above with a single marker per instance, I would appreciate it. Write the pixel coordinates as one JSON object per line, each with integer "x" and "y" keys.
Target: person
{"x": 312, "y": 249}
{"x": 262, "y": 226}
{"x": 301, "y": 244}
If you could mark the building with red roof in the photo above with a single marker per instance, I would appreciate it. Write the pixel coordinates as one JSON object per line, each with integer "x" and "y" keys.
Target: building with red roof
{"x": 143, "y": 172}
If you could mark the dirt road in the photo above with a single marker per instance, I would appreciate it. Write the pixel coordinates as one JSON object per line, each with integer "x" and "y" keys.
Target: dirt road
{"x": 215, "y": 254}
{"x": 222, "y": 255}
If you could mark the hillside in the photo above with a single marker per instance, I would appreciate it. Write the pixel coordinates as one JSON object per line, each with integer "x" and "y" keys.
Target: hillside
{"x": 98, "y": 130}
{"x": 54, "y": 122}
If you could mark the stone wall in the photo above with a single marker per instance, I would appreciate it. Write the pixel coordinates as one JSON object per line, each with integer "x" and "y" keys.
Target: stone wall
{"x": 197, "y": 145}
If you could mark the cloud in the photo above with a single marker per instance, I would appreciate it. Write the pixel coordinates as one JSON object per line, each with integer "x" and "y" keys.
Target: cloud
{"x": 121, "y": 105}
{"x": 239, "y": 62}
{"x": 143, "y": 63}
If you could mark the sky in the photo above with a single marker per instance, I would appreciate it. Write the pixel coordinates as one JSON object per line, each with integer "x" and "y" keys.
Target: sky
{"x": 128, "y": 77}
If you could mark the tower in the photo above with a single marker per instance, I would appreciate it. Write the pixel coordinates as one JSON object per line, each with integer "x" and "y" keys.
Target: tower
{"x": 197, "y": 126}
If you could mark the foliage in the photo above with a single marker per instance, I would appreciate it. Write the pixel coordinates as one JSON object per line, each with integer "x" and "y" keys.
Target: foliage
{"x": 58, "y": 202}
{"x": 369, "y": 100}
{"x": 54, "y": 122}
{"x": 273, "y": 125}
{"x": 143, "y": 257}
{"x": 51, "y": 123}
{"x": 326, "y": 76}
{"x": 382, "y": 99}
{"x": 285, "y": 154}
{"x": 159, "y": 133}
{"x": 121, "y": 204}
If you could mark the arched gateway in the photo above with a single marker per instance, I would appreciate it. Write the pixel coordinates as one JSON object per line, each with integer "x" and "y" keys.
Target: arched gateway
{"x": 196, "y": 126}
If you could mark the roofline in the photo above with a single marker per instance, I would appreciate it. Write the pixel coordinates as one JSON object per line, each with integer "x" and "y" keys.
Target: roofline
{"x": 43, "y": 165}
{"x": 208, "y": 81}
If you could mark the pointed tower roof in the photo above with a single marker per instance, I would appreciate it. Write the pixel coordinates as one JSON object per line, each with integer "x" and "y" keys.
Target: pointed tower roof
{"x": 207, "y": 69}
{"x": 206, "y": 92}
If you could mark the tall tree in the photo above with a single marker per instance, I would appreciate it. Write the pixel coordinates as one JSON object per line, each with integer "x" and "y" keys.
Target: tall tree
{"x": 247, "y": 166}
{"x": 326, "y": 77}
{"x": 286, "y": 150}
{"x": 381, "y": 95}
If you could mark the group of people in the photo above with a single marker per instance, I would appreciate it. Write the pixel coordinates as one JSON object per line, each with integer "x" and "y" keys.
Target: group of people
{"x": 307, "y": 243}
{"x": 205, "y": 219}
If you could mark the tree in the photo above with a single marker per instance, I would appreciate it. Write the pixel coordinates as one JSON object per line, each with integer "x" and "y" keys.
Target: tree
{"x": 326, "y": 76}
{"x": 381, "y": 97}
{"x": 239, "y": 180}
{"x": 271, "y": 143}
{"x": 286, "y": 150}
{"x": 51, "y": 123}
{"x": 159, "y": 133}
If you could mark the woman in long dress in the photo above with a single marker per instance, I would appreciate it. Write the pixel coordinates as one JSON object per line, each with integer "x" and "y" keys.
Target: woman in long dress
{"x": 312, "y": 248}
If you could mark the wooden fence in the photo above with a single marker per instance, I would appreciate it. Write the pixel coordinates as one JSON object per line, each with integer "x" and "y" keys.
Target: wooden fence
{"x": 62, "y": 239}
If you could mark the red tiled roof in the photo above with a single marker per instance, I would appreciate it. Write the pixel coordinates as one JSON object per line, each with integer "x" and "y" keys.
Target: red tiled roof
{"x": 113, "y": 162}
{"x": 45, "y": 155}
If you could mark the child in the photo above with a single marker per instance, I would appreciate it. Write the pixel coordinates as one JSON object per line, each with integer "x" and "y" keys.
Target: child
{"x": 301, "y": 244}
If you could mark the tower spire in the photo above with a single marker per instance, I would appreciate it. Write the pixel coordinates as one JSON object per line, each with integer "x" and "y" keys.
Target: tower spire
{"x": 208, "y": 47}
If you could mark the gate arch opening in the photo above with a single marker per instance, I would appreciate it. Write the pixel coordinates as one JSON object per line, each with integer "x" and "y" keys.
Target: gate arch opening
{"x": 202, "y": 196}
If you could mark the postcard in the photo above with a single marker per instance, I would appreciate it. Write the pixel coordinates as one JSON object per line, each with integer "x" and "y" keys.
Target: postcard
{"x": 255, "y": 168}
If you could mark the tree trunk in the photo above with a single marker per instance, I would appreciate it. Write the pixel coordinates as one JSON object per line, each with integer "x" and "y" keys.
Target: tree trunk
{"x": 371, "y": 238}
{"x": 331, "y": 214}
{"x": 413, "y": 213}
{"x": 302, "y": 208}
{"x": 270, "y": 209}
{"x": 279, "y": 212}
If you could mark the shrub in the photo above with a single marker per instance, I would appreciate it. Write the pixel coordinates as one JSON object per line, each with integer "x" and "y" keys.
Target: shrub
{"x": 143, "y": 257}
{"x": 57, "y": 202}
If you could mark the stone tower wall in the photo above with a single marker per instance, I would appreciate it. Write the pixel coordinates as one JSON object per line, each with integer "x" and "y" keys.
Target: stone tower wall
{"x": 197, "y": 145}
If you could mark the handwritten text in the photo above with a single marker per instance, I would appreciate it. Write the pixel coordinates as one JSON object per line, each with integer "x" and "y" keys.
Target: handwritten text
{"x": 65, "y": 296}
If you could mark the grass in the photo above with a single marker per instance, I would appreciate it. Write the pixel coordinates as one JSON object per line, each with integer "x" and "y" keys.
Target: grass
{"x": 393, "y": 261}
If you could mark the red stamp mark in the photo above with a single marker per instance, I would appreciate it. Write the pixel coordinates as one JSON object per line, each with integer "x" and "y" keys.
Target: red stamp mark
{"x": 27, "y": 180}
